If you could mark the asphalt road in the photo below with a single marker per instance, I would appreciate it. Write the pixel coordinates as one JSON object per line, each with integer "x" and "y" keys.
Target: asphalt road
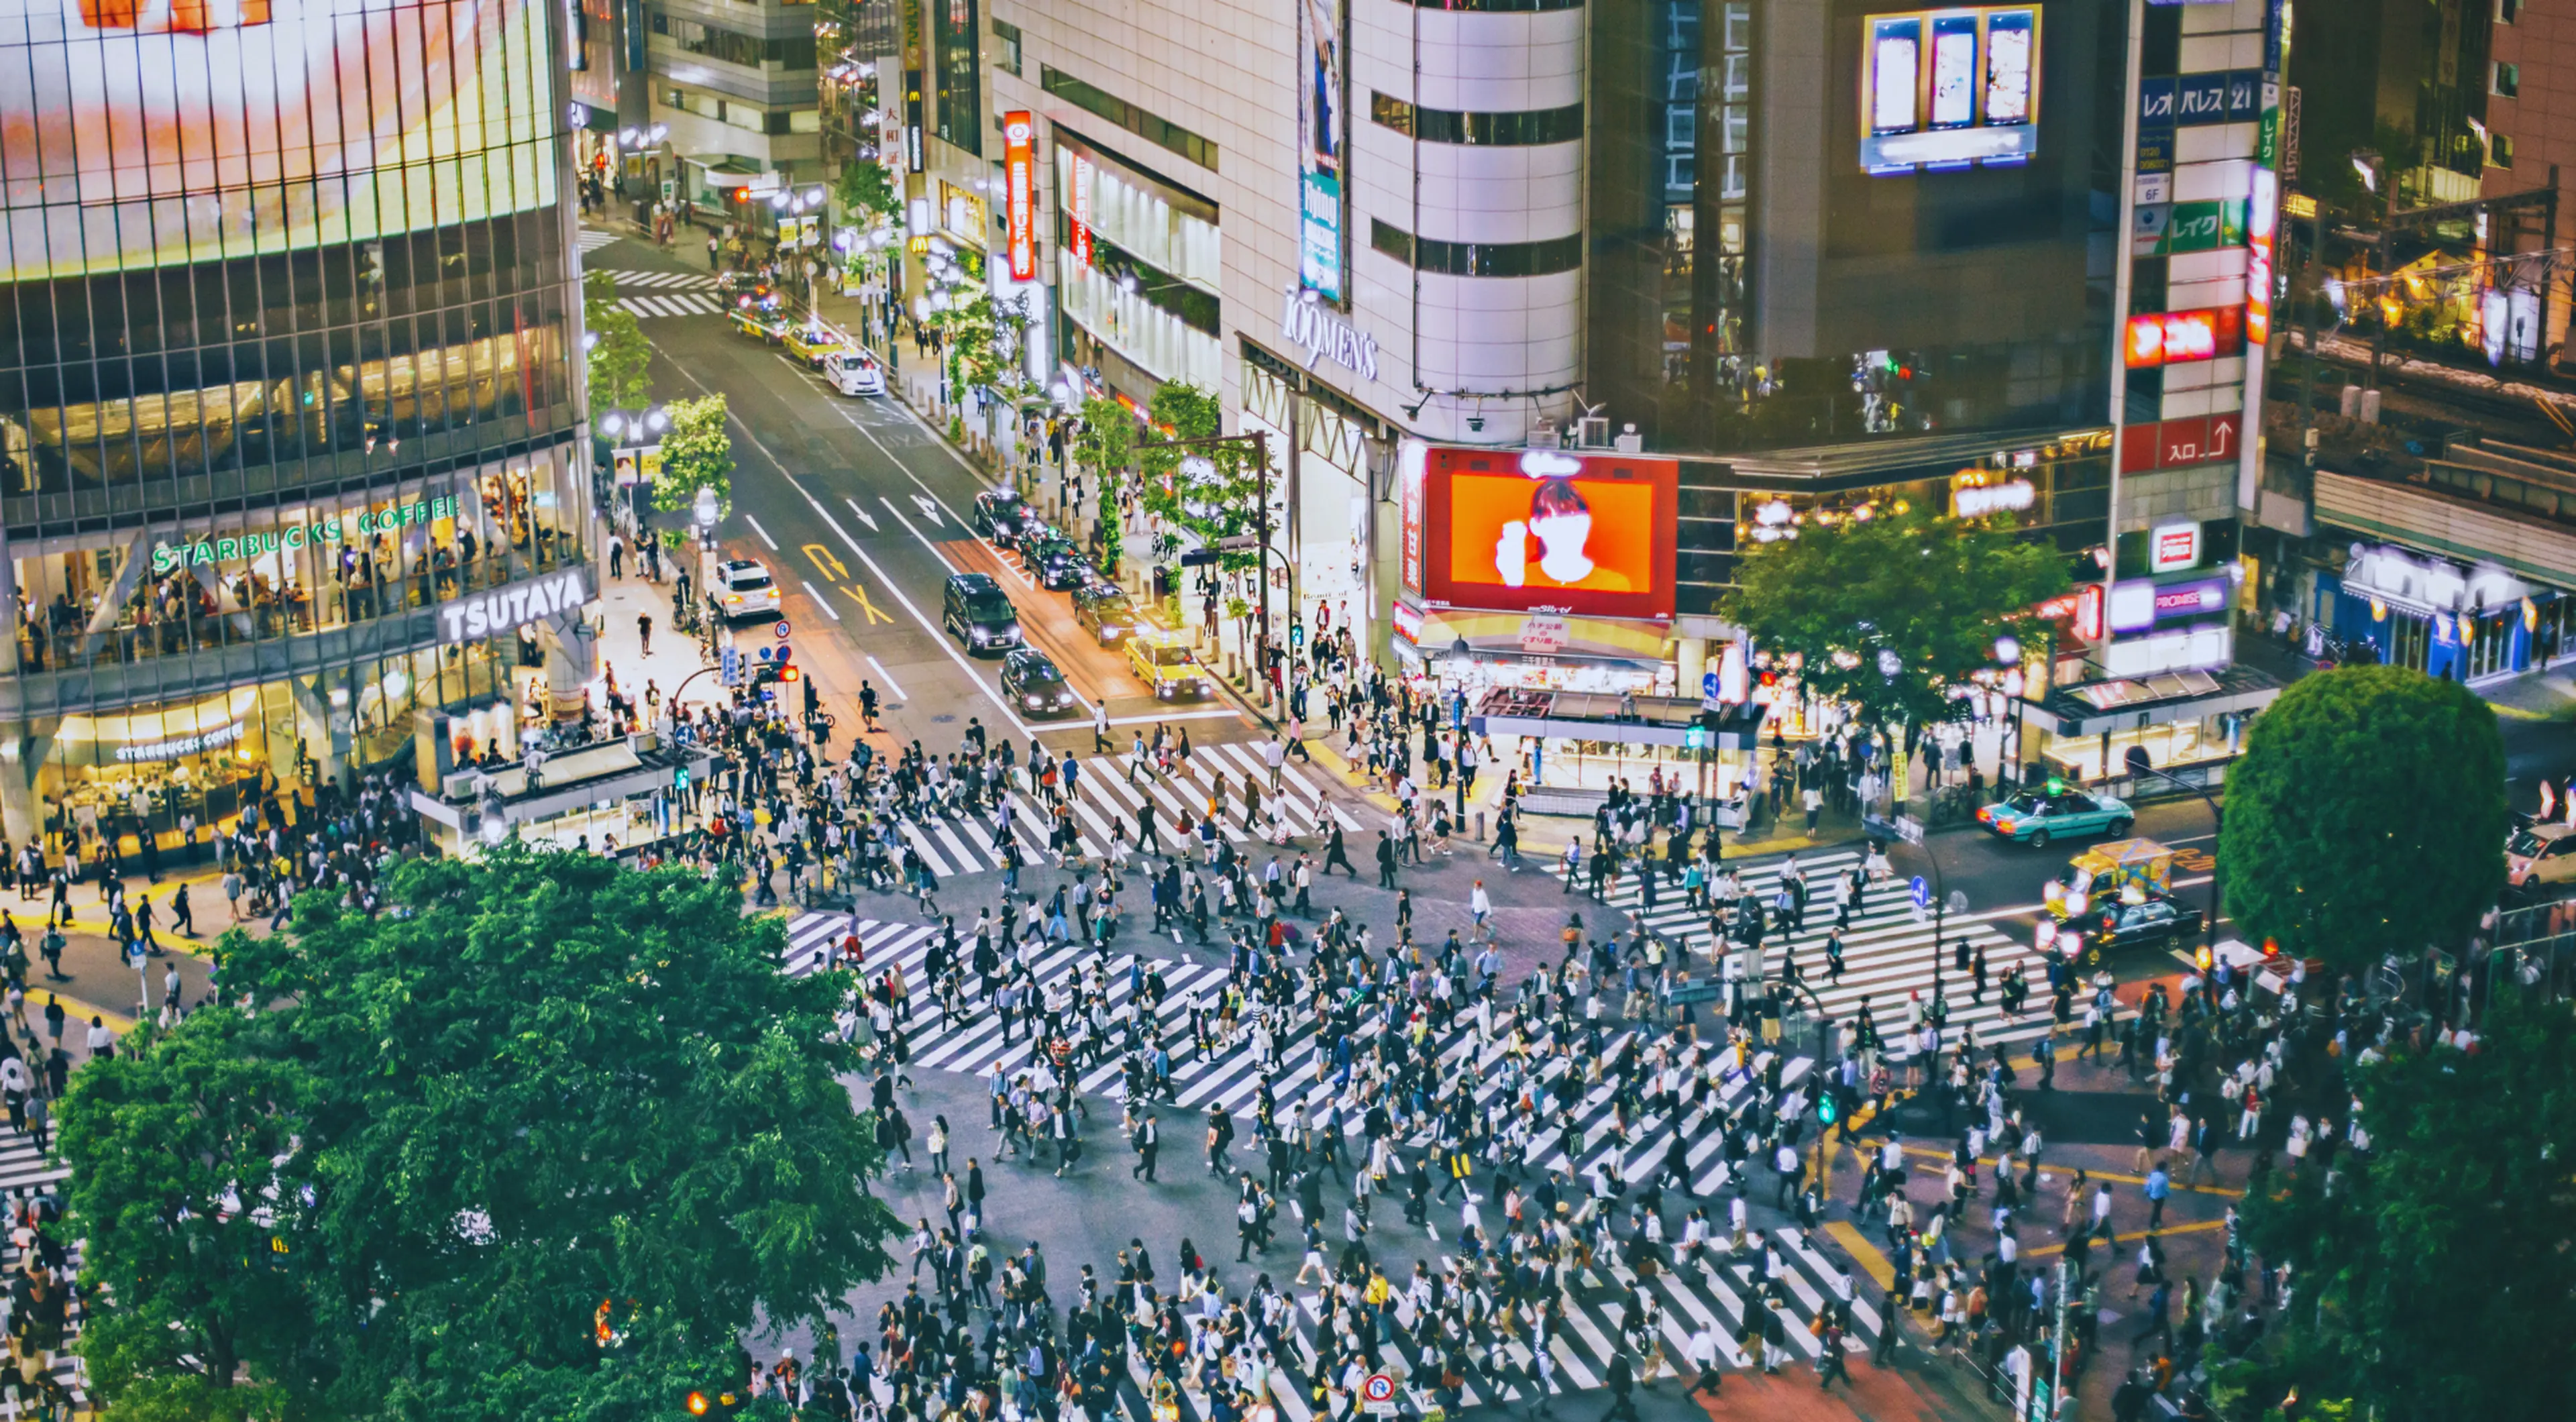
{"x": 861, "y": 512}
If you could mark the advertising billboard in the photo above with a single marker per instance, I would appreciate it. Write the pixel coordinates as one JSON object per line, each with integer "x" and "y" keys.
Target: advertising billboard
{"x": 1019, "y": 170}
{"x": 1548, "y": 531}
{"x": 1946, "y": 89}
{"x": 1323, "y": 148}
{"x": 156, "y": 132}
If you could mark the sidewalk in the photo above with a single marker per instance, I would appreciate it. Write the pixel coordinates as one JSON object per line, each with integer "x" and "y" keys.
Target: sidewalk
{"x": 675, "y": 655}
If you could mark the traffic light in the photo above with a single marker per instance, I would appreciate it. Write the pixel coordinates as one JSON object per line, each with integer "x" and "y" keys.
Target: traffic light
{"x": 680, "y": 777}
{"x": 1296, "y": 635}
{"x": 729, "y": 667}
{"x": 1829, "y": 1107}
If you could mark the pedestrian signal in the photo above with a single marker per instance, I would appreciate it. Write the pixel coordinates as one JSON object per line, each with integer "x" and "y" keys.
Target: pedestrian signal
{"x": 729, "y": 670}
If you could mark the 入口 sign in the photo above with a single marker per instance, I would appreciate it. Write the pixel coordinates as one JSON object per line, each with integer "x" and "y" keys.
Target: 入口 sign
{"x": 507, "y": 609}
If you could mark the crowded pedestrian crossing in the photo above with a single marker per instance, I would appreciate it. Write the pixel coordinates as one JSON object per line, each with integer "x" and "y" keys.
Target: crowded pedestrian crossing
{"x": 1770, "y": 1281}
{"x": 1106, "y": 801}
{"x": 26, "y": 1176}
{"x": 1891, "y": 951}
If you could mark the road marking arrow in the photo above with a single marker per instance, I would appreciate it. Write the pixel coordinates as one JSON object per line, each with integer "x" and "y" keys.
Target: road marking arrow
{"x": 929, "y": 507}
{"x": 824, "y": 563}
{"x": 864, "y": 516}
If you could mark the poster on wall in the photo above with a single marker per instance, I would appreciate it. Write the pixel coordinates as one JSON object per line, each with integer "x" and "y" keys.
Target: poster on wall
{"x": 147, "y": 135}
{"x": 1948, "y": 89}
{"x": 1323, "y": 148}
{"x": 1547, "y": 531}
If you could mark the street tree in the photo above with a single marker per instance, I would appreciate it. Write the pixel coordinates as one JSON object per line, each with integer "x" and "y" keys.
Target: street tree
{"x": 1105, "y": 447}
{"x": 1894, "y": 614}
{"x": 2434, "y": 1276}
{"x": 866, "y": 191}
{"x": 620, "y": 358}
{"x": 187, "y": 1184}
{"x": 697, "y": 453}
{"x": 562, "y": 1137}
{"x": 2366, "y": 817}
{"x": 1212, "y": 491}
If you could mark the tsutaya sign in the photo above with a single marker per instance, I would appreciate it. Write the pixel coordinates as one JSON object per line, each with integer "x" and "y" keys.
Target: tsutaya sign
{"x": 1323, "y": 332}
{"x": 513, "y": 607}
{"x": 238, "y": 547}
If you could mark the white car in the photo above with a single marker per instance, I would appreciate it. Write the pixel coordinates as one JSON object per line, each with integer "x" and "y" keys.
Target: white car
{"x": 745, "y": 590}
{"x": 854, "y": 372}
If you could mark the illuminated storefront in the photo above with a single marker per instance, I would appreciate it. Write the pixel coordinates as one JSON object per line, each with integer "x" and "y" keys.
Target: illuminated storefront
{"x": 261, "y": 422}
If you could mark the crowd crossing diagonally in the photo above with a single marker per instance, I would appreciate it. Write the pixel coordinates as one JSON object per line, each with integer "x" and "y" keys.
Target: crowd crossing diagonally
{"x": 1104, "y": 801}
{"x": 1725, "y": 1287}
{"x": 1890, "y": 950}
{"x": 24, "y": 1168}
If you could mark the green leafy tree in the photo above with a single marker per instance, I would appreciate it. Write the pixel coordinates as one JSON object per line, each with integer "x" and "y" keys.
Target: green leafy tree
{"x": 866, "y": 189}
{"x": 570, "y": 1136}
{"x": 1212, "y": 490}
{"x": 1891, "y": 614}
{"x": 2366, "y": 817}
{"x": 620, "y": 357}
{"x": 186, "y": 1184}
{"x": 697, "y": 453}
{"x": 1106, "y": 449}
{"x": 2435, "y": 1277}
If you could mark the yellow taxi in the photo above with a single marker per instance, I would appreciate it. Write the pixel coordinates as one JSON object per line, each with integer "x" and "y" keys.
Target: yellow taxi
{"x": 758, "y": 324}
{"x": 1161, "y": 661}
{"x": 813, "y": 341}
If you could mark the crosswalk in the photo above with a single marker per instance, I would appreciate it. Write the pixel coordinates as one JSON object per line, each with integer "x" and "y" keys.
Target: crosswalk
{"x": 669, "y": 281}
{"x": 1104, "y": 801}
{"x": 23, "y": 1169}
{"x": 1889, "y": 951}
{"x": 1726, "y": 1285}
{"x": 684, "y": 303}
{"x": 591, "y": 239}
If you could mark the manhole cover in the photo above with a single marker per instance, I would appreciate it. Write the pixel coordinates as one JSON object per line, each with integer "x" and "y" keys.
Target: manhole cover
{"x": 941, "y": 720}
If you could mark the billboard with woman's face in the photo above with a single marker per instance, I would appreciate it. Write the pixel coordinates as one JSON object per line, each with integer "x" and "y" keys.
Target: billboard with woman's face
{"x": 143, "y": 133}
{"x": 1589, "y": 534}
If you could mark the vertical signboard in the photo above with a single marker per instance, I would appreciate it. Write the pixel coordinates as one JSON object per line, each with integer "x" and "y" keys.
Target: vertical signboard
{"x": 1323, "y": 148}
{"x": 1019, "y": 175}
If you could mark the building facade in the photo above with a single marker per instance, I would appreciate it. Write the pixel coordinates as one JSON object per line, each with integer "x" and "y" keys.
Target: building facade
{"x": 289, "y": 396}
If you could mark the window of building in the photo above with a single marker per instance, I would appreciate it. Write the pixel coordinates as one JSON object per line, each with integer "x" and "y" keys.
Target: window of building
{"x": 1517, "y": 128}
{"x": 1160, "y": 131}
{"x": 796, "y": 52}
{"x": 1477, "y": 259}
{"x": 2508, "y": 79}
{"x": 1498, "y": 7}
{"x": 2508, "y": 11}
{"x": 1007, "y": 39}
{"x": 2500, "y": 151}
{"x": 957, "y": 39}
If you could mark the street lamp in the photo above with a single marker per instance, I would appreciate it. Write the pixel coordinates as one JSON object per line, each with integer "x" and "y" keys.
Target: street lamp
{"x": 1462, "y": 659}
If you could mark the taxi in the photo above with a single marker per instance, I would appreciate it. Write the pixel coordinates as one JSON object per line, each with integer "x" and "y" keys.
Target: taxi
{"x": 1163, "y": 663}
{"x": 758, "y": 322}
{"x": 2035, "y": 817}
{"x": 813, "y": 341}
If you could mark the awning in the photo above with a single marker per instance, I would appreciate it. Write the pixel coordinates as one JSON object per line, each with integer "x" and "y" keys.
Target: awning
{"x": 2133, "y": 703}
{"x": 1538, "y": 636}
{"x": 1589, "y": 716}
{"x": 724, "y": 165}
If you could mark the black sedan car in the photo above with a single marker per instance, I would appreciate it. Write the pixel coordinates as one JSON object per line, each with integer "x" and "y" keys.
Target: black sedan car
{"x": 1002, "y": 516}
{"x": 1052, "y": 559}
{"x": 1105, "y": 612}
{"x": 1034, "y": 685}
{"x": 2119, "y": 926}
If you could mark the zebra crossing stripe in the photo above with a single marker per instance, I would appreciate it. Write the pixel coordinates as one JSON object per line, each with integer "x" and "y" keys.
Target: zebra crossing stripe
{"x": 1714, "y": 1292}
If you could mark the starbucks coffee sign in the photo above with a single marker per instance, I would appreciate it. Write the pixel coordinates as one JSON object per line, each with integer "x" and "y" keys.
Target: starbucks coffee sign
{"x": 242, "y": 547}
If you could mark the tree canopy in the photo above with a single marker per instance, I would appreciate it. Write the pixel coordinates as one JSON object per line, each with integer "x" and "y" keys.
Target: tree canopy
{"x": 1890, "y": 614}
{"x": 2367, "y": 816}
{"x": 620, "y": 357}
{"x": 2434, "y": 1278}
{"x": 545, "y": 1139}
{"x": 1212, "y": 490}
{"x": 697, "y": 453}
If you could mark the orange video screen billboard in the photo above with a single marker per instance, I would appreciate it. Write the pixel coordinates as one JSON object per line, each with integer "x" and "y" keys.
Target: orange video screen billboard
{"x": 1549, "y": 530}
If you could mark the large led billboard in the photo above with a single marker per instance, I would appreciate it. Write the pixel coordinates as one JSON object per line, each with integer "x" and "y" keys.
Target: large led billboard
{"x": 1545, "y": 530}
{"x": 1323, "y": 148}
{"x": 141, "y": 133}
{"x": 1946, "y": 89}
